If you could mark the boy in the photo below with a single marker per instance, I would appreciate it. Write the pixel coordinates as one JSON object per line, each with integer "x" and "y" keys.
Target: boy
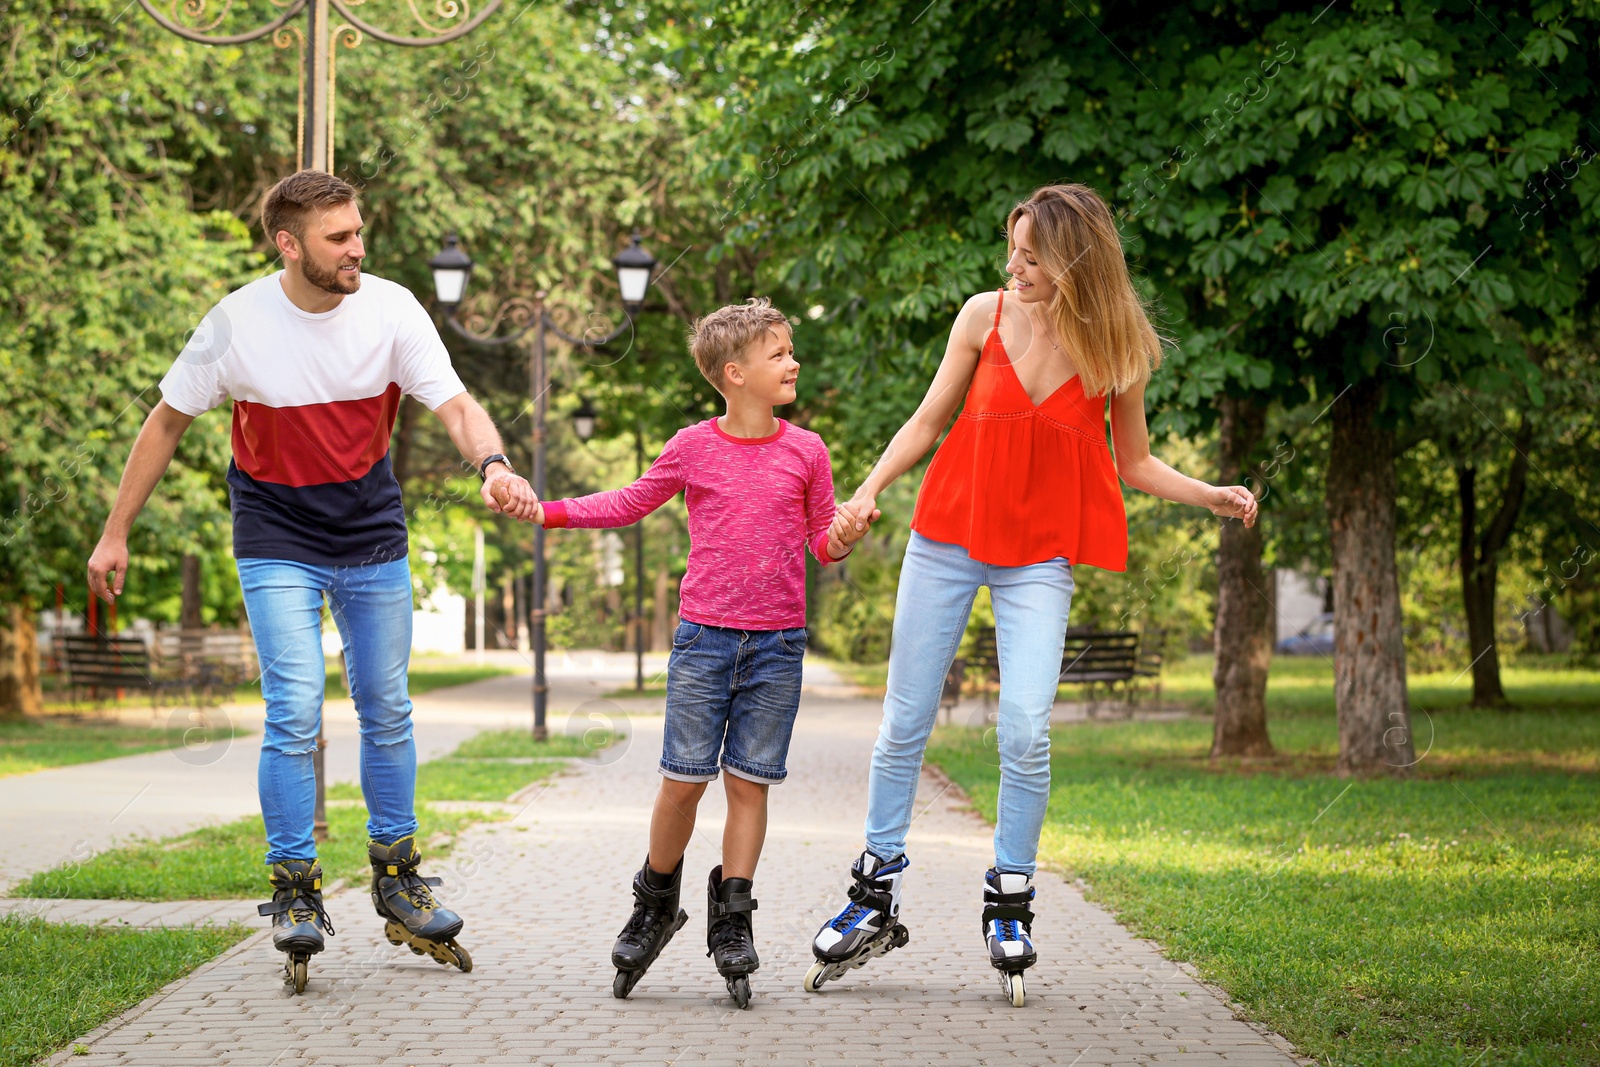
{"x": 759, "y": 492}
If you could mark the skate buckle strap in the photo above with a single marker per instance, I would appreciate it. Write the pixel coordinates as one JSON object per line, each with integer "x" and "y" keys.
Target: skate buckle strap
{"x": 1005, "y": 912}
{"x": 719, "y": 908}
{"x": 867, "y": 892}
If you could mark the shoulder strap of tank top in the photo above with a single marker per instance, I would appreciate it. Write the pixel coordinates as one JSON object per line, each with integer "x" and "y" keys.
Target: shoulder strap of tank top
{"x": 998, "y": 304}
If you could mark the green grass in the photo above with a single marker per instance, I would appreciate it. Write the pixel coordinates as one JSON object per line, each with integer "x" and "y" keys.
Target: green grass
{"x": 225, "y": 862}
{"x": 59, "y": 981}
{"x": 494, "y": 765}
{"x": 872, "y": 677}
{"x": 57, "y": 741}
{"x": 655, "y": 692}
{"x": 421, "y": 678}
{"x": 1450, "y": 919}
{"x": 1303, "y": 685}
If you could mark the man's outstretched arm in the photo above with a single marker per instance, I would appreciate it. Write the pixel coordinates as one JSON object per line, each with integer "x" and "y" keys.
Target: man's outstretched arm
{"x": 473, "y": 432}
{"x": 147, "y": 462}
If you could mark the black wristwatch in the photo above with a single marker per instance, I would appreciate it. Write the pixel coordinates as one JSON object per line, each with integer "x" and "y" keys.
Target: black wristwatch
{"x": 483, "y": 468}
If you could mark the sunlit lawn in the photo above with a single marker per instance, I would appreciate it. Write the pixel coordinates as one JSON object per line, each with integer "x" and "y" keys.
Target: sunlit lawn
{"x": 1451, "y": 918}
{"x": 62, "y": 740}
{"x": 58, "y": 981}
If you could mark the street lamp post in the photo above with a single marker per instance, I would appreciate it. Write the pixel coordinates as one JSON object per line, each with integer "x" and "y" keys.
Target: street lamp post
{"x": 452, "y": 268}
{"x": 583, "y": 425}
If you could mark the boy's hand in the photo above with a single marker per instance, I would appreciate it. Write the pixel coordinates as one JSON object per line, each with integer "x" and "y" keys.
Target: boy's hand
{"x": 513, "y": 495}
{"x": 852, "y": 520}
{"x": 1233, "y": 502}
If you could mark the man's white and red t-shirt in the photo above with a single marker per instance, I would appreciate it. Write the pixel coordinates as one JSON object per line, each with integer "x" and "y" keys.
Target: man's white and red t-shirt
{"x": 314, "y": 403}
{"x": 755, "y": 505}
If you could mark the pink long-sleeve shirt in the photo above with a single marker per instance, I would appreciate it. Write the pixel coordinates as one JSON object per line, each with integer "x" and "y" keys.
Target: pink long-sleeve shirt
{"x": 755, "y": 503}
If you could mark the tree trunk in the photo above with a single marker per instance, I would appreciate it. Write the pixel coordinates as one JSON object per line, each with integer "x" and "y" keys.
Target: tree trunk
{"x": 1243, "y": 631}
{"x": 1479, "y": 559}
{"x": 1369, "y": 657}
{"x": 20, "y": 694}
{"x": 189, "y": 617}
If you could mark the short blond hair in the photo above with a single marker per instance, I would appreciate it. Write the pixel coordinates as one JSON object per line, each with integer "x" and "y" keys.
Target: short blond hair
{"x": 725, "y": 335}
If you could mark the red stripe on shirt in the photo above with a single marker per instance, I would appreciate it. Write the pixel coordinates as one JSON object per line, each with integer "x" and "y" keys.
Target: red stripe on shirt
{"x": 313, "y": 444}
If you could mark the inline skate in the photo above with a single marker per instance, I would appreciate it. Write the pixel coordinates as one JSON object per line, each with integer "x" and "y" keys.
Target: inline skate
{"x": 1008, "y": 928}
{"x": 403, "y": 897}
{"x": 656, "y": 917}
{"x": 298, "y": 919}
{"x": 730, "y": 940}
{"x": 868, "y": 927}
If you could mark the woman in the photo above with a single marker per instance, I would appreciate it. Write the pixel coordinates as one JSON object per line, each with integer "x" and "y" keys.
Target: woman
{"x": 1022, "y": 489}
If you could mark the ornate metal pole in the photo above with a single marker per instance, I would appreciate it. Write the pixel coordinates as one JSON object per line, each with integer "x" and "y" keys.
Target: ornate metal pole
{"x": 318, "y": 70}
{"x": 318, "y": 44}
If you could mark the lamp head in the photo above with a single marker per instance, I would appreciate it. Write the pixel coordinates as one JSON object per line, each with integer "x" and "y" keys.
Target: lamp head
{"x": 451, "y": 268}
{"x": 634, "y": 265}
{"x": 583, "y": 420}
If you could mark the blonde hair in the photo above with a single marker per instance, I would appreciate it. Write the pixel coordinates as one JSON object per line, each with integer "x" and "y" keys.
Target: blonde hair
{"x": 1098, "y": 315}
{"x": 724, "y": 336}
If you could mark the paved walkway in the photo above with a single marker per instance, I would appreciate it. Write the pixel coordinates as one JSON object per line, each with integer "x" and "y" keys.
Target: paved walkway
{"x": 69, "y": 814}
{"x": 545, "y": 894}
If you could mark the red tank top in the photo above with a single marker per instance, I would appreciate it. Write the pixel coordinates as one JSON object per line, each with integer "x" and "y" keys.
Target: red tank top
{"x": 1016, "y": 483}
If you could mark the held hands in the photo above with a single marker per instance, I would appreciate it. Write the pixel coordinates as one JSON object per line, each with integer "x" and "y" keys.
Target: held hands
{"x": 511, "y": 494}
{"x": 851, "y": 521}
{"x": 1233, "y": 502}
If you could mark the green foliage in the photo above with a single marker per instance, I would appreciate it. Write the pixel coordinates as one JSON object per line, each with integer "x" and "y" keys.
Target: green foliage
{"x": 59, "y": 980}
{"x": 108, "y": 264}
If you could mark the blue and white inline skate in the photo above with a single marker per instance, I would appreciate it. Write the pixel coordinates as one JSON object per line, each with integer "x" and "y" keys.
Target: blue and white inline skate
{"x": 1008, "y": 928}
{"x": 869, "y": 926}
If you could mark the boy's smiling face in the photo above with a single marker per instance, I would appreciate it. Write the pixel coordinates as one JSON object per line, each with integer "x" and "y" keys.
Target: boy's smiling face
{"x": 768, "y": 372}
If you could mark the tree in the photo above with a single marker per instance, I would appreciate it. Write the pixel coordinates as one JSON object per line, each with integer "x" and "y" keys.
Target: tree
{"x": 107, "y": 267}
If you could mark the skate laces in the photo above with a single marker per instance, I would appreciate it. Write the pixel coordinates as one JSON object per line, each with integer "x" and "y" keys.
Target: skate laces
{"x": 729, "y": 931}
{"x": 416, "y": 891}
{"x": 643, "y": 924}
{"x": 847, "y": 918}
{"x": 314, "y": 910}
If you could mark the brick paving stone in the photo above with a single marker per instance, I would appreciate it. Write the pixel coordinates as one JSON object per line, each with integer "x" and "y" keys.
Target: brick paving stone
{"x": 544, "y": 894}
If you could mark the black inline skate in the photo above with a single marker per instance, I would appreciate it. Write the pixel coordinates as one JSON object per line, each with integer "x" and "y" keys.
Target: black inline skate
{"x": 730, "y": 938}
{"x": 403, "y": 897}
{"x": 656, "y": 917}
{"x": 298, "y": 920}
{"x": 869, "y": 926}
{"x": 1008, "y": 928}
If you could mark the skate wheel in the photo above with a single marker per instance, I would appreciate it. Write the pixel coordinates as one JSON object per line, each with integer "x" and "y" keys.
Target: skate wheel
{"x": 623, "y": 984}
{"x": 297, "y": 976}
{"x": 1012, "y": 983}
{"x": 739, "y": 990}
{"x": 415, "y": 950}
{"x": 463, "y": 959}
{"x": 817, "y": 975}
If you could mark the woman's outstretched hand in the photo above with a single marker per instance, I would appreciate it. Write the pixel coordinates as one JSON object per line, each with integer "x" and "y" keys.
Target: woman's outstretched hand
{"x": 1233, "y": 502}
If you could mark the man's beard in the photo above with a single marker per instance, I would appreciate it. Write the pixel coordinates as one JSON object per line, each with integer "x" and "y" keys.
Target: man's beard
{"x": 330, "y": 281}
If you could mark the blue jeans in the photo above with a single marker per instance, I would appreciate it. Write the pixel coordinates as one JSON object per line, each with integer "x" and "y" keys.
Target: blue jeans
{"x": 371, "y": 605}
{"x": 937, "y": 585}
{"x": 732, "y": 696}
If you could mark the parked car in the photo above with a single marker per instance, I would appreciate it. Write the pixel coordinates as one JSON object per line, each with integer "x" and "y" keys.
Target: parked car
{"x": 1315, "y": 638}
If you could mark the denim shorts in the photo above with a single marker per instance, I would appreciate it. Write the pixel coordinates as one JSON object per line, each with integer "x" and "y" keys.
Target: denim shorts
{"x": 732, "y": 696}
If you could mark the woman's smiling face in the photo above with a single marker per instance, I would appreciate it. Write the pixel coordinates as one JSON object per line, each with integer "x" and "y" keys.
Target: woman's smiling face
{"x": 1032, "y": 283}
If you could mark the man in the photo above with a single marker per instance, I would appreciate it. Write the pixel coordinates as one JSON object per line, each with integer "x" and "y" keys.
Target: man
{"x": 316, "y": 359}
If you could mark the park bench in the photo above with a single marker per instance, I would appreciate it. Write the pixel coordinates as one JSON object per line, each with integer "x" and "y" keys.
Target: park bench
{"x": 209, "y": 660}
{"x": 1111, "y": 660}
{"x": 98, "y": 663}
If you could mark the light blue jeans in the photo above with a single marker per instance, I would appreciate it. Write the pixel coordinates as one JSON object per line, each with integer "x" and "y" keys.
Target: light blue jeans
{"x": 371, "y": 605}
{"x": 937, "y": 585}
